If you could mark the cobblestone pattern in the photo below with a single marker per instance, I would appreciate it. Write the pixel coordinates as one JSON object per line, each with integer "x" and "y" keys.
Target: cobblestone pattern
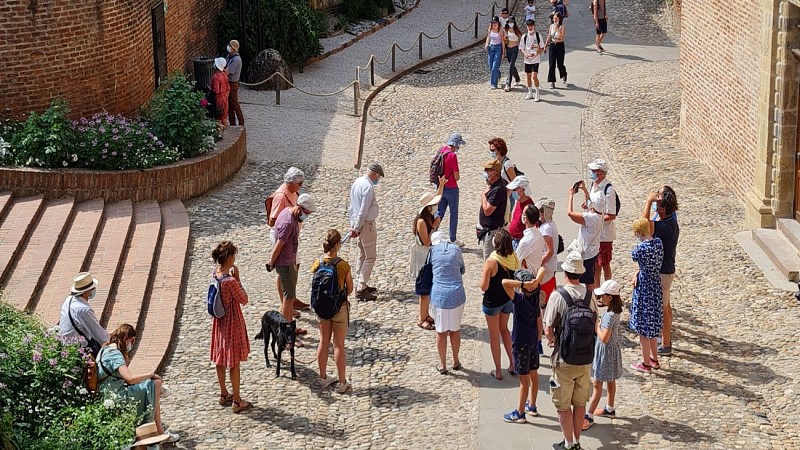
{"x": 400, "y": 400}
{"x": 649, "y": 21}
{"x": 733, "y": 381}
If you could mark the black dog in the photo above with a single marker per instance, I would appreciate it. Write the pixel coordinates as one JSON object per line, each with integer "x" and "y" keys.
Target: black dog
{"x": 283, "y": 334}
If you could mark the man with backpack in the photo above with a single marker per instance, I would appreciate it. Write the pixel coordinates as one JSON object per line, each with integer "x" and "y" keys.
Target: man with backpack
{"x": 445, "y": 164}
{"x": 569, "y": 321}
{"x": 603, "y": 198}
{"x": 532, "y": 48}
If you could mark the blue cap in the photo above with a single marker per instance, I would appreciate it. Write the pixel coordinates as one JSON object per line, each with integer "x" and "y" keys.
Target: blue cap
{"x": 456, "y": 140}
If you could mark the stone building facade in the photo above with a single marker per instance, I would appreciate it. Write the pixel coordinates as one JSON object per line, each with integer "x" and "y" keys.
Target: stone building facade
{"x": 739, "y": 107}
{"x": 99, "y": 55}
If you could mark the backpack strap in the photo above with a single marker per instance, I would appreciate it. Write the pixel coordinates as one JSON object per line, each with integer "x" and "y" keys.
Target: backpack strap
{"x": 566, "y": 295}
{"x": 506, "y": 158}
{"x": 605, "y": 190}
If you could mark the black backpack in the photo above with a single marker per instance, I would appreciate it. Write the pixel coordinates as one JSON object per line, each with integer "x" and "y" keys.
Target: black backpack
{"x": 437, "y": 167}
{"x": 577, "y": 336}
{"x": 326, "y": 297}
{"x": 616, "y": 197}
{"x": 516, "y": 171}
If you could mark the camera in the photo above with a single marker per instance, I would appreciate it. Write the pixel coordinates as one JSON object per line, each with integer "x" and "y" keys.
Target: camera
{"x": 554, "y": 383}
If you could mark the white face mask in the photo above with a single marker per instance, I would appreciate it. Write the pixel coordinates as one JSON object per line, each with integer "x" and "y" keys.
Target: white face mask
{"x": 228, "y": 48}
{"x": 94, "y": 292}
{"x": 130, "y": 346}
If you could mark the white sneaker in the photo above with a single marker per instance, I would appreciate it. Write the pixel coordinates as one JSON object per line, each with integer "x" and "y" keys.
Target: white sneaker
{"x": 327, "y": 381}
{"x": 552, "y": 85}
{"x": 458, "y": 243}
{"x": 529, "y": 95}
{"x": 344, "y": 387}
{"x": 536, "y": 96}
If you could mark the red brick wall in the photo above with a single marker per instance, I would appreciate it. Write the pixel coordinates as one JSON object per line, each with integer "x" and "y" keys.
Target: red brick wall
{"x": 98, "y": 54}
{"x": 719, "y": 72}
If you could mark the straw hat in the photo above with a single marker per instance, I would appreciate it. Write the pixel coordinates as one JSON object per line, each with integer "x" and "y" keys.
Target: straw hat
{"x": 147, "y": 434}
{"x": 428, "y": 199}
{"x": 83, "y": 282}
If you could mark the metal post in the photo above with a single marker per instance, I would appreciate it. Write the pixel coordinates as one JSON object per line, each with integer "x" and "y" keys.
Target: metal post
{"x": 420, "y": 46}
{"x": 450, "y": 34}
{"x": 260, "y": 28}
{"x": 476, "y": 25}
{"x": 394, "y": 46}
{"x": 493, "y": 9}
{"x": 277, "y": 93}
{"x": 355, "y": 98}
{"x": 506, "y": 4}
{"x": 372, "y": 70}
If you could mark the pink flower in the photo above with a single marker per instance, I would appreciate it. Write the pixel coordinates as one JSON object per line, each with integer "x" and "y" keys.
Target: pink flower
{"x": 203, "y": 102}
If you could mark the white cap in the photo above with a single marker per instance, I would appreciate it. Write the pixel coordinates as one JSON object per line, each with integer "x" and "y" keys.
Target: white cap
{"x": 609, "y": 287}
{"x": 306, "y": 201}
{"x": 521, "y": 182}
{"x": 599, "y": 164}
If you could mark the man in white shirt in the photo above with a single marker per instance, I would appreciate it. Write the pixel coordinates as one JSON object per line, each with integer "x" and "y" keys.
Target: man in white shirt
{"x": 77, "y": 317}
{"x": 603, "y": 198}
{"x": 363, "y": 212}
{"x": 531, "y": 247}
{"x": 532, "y": 49}
{"x": 591, "y": 222}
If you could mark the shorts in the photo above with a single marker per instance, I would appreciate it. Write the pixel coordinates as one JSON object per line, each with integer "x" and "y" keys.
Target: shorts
{"x": 448, "y": 319}
{"x": 526, "y": 357}
{"x": 532, "y": 68}
{"x": 508, "y": 308}
{"x": 424, "y": 281}
{"x": 666, "y": 284}
{"x": 574, "y": 388}
{"x": 341, "y": 319}
{"x": 602, "y": 26}
{"x": 288, "y": 276}
{"x": 604, "y": 257}
{"x": 547, "y": 288}
{"x": 588, "y": 264}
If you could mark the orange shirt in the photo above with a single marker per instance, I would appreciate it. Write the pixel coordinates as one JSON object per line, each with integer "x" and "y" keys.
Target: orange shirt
{"x": 282, "y": 199}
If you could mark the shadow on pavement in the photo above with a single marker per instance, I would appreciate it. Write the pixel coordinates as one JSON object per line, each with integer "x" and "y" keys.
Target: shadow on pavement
{"x": 678, "y": 432}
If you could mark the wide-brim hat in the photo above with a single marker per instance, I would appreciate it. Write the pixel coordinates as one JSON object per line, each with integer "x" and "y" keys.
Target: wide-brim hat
{"x": 545, "y": 202}
{"x": 147, "y": 434}
{"x": 83, "y": 282}
{"x": 456, "y": 140}
{"x": 573, "y": 263}
{"x": 428, "y": 199}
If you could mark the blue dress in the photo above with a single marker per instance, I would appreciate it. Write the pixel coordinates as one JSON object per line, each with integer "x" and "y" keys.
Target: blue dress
{"x": 112, "y": 383}
{"x": 647, "y": 313}
{"x": 607, "y": 364}
{"x": 447, "y": 265}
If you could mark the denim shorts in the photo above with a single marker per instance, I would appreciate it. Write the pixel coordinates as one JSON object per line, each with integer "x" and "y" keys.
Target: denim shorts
{"x": 508, "y": 308}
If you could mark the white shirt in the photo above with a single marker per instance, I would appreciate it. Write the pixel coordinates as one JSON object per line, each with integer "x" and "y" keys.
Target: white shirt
{"x": 502, "y": 22}
{"x": 363, "y": 204}
{"x": 531, "y": 45}
{"x": 607, "y": 204}
{"x": 84, "y": 318}
{"x": 550, "y": 229}
{"x": 529, "y": 12}
{"x": 530, "y": 249}
{"x": 589, "y": 234}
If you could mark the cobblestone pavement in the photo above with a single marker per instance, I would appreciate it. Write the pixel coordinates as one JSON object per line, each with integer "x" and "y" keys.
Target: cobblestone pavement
{"x": 733, "y": 381}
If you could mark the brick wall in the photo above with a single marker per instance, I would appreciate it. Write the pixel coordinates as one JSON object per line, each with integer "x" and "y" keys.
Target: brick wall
{"x": 96, "y": 54}
{"x": 720, "y": 52}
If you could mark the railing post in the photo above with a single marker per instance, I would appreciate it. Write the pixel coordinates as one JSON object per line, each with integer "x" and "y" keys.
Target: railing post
{"x": 506, "y": 4}
{"x": 493, "y": 10}
{"x": 277, "y": 93}
{"x": 450, "y": 35}
{"x": 372, "y": 71}
{"x": 420, "y": 46}
{"x": 394, "y": 46}
{"x": 476, "y": 25}
{"x": 355, "y": 98}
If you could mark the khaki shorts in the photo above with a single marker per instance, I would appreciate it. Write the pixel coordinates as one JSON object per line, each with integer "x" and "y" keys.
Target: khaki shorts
{"x": 574, "y": 386}
{"x": 288, "y": 276}
{"x": 342, "y": 318}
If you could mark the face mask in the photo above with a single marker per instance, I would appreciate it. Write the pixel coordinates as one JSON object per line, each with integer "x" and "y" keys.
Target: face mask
{"x": 303, "y": 217}
{"x": 130, "y": 347}
{"x": 94, "y": 292}
{"x": 592, "y": 176}
{"x": 492, "y": 155}
{"x": 229, "y": 48}
{"x": 514, "y": 195}
{"x": 486, "y": 176}
{"x": 376, "y": 181}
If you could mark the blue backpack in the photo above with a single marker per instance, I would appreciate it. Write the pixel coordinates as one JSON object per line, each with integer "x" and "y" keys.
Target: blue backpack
{"x": 214, "y": 301}
{"x": 326, "y": 297}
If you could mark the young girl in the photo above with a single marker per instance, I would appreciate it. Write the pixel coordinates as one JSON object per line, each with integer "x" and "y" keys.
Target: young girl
{"x": 607, "y": 364}
{"x": 512, "y": 51}
{"x": 496, "y": 47}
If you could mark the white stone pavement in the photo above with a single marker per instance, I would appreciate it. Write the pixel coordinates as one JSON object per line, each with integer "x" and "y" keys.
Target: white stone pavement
{"x": 547, "y": 146}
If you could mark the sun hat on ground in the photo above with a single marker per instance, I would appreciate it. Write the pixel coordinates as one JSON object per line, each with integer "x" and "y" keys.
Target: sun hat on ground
{"x": 83, "y": 282}
{"x": 573, "y": 263}
{"x": 220, "y": 63}
{"x": 428, "y": 199}
{"x": 306, "y": 201}
{"x": 147, "y": 435}
{"x": 609, "y": 287}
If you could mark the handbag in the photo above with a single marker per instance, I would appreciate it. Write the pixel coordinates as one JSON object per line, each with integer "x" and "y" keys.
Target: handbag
{"x": 417, "y": 258}
{"x": 90, "y": 376}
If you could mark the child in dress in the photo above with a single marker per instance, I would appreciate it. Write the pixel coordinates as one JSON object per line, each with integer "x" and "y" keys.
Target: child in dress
{"x": 607, "y": 364}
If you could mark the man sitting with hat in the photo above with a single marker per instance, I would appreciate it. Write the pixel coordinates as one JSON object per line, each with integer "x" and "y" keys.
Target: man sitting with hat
{"x": 77, "y": 317}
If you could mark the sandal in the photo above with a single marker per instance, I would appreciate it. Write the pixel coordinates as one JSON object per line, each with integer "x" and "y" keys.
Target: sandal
{"x": 496, "y": 375}
{"x": 425, "y": 325}
{"x": 512, "y": 372}
{"x": 241, "y": 406}
{"x": 429, "y": 319}
{"x": 458, "y": 366}
{"x": 224, "y": 400}
{"x": 442, "y": 370}
{"x": 654, "y": 364}
{"x": 301, "y": 332}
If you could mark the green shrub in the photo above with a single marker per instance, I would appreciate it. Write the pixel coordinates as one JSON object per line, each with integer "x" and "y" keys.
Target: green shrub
{"x": 355, "y": 10}
{"x": 43, "y": 402}
{"x": 42, "y": 140}
{"x": 291, "y": 27}
{"x": 178, "y": 119}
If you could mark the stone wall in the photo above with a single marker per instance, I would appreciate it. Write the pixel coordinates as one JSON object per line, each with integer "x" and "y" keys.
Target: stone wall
{"x": 96, "y": 54}
{"x": 183, "y": 180}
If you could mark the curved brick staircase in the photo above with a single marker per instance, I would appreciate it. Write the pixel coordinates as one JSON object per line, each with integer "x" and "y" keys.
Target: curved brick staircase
{"x": 136, "y": 251}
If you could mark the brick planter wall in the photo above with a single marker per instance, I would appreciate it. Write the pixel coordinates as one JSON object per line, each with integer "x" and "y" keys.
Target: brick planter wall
{"x": 183, "y": 180}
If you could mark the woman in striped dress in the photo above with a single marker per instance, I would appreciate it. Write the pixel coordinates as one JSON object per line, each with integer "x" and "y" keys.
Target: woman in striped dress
{"x": 229, "y": 342}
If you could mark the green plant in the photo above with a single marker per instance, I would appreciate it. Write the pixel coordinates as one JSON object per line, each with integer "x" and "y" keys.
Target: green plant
{"x": 291, "y": 27}
{"x": 178, "y": 119}
{"x": 355, "y": 10}
{"x": 43, "y": 140}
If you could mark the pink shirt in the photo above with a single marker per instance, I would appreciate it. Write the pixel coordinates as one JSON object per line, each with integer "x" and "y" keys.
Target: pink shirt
{"x": 450, "y": 166}
{"x": 283, "y": 199}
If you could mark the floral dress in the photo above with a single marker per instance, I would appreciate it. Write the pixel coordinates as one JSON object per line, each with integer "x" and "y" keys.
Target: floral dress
{"x": 647, "y": 312}
{"x": 607, "y": 364}
{"x": 229, "y": 342}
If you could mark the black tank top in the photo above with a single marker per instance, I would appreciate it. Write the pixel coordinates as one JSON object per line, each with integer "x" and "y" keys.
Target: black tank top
{"x": 495, "y": 296}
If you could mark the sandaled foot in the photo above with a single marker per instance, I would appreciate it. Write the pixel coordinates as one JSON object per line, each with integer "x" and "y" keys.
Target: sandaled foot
{"x": 225, "y": 400}
{"x": 496, "y": 374}
{"x": 425, "y": 325}
{"x": 511, "y": 371}
{"x": 240, "y": 406}
{"x": 442, "y": 370}
{"x": 458, "y": 366}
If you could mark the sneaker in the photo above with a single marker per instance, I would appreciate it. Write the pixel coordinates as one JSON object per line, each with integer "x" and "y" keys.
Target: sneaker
{"x": 173, "y": 437}
{"x": 562, "y": 446}
{"x": 507, "y": 88}
{"x": 553, "y": 85}
{"x": 514, "y": 417}
{"x": 587, "y": 423}
{"x": 344, "y": 387}
{"x": 641, "y": 367}
{"x": 493, "y": 87}
{"x": 576, "y": 446}
{"x": 531, "y": 409}
{"x": 536, "y": 99}
{"x": 564, "y": 80}
{"x": 327, "y": 381}
{"x": 529, "y": 96}
{"x": 366, "y": 295}
{"x": 602, "y": 49}
{"x": 602, "y": 412}
{"x": 664, "y": 351}
{"x": 458, "y": 243}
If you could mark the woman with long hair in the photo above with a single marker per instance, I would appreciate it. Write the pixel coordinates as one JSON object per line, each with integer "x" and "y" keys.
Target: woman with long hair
{"x": 496, "y": 48}
{"x": 513, "y": 35}
{"x": 229, "y": 342}
{"x": 555, "y": 43}
{"x": 497, "y": 305}
{"x": 424, "y": 224}
{"x": 337, "y": 325}
{"x": 115, "y": 377}
{"x": 647, "y": 314}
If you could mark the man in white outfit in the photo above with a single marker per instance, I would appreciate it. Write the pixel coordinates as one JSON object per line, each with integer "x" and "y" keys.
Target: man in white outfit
{"x": 363, "y": 212}
{"x": 77, "y": 317}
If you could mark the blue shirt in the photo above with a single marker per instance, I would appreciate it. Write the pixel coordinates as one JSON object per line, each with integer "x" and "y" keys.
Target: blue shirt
{"x": 526, "y": 315}
{"x": 668, "y": 231}
{"x": 234, "y": 66}
{"x": 448, "y": 267}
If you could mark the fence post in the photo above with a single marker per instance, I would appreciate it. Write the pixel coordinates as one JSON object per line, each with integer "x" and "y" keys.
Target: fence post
{"x": 506, "y": 4}
{"x": 394, "y": 46}
{"x": 450, "y": 34}
{"x": 420, "y": 46}
{"x": 277, "y": 93}
{"x": 476, "y": 25}
{"x": 372, "y": 70}
{"x": 493, "y": 9}
{"x": 355, "y": 97}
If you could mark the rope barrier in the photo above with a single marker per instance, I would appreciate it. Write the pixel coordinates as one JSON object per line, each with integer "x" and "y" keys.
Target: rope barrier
{"x": 459, "y": 29}
{"x": 434, "y": 38}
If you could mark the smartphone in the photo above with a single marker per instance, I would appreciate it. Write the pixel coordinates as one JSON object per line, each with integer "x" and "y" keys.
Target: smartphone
{"x": 554, "y": 383}
{"x": 575, "y": 187}
{"x": 346, "y": 237}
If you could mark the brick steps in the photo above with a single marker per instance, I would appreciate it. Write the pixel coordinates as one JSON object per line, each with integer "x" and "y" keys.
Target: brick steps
{"x": 36, "y": 258}
{"x": 137, "y": 253}
{"x": 157, "y": 328}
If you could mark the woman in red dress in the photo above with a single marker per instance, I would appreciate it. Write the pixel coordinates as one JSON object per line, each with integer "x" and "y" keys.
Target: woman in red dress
{"x": 221, "y": 89}
{"x": 229, "y": 342}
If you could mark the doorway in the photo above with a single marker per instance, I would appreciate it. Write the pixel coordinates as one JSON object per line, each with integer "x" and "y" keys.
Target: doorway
{"x": 159, "y": 43}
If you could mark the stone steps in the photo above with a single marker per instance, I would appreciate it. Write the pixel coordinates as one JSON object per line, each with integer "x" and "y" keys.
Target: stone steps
{"x": 17, "y": 226}
{"x": 780, "y": 251}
